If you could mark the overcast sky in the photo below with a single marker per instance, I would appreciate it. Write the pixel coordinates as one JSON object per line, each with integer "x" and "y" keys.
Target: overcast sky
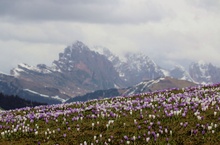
{"x": 170, "y": 32}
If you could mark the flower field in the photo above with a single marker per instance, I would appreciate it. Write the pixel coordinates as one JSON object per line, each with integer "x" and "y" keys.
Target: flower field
{"x": 176, "y": 116}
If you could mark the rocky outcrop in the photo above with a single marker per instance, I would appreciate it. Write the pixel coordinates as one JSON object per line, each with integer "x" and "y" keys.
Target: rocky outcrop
{"x": 204, "y": 73}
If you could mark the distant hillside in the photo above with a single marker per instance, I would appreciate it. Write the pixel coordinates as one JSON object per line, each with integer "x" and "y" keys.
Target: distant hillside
{"x": 158, "y": 84}
{"x": 143, "y": 87}
{"x": 13, "y": 102}
{"x": 100, "y": 94}
{"x": 12, "y": 86}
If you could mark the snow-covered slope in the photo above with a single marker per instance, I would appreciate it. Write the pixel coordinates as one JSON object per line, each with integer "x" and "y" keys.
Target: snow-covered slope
{"x": 158, "y": 84}
{"x": 139, "y": 67}
{"x": 25, "y": 68}
{"x": 179, "y": 72}
{"x": 204, "y": 73}
{"x": 142, "y": 87}
{"x": 132, "y": 68}
{"x": 46, "y": 96}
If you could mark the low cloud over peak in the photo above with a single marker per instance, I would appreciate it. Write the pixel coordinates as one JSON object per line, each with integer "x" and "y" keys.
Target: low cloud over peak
{"x": 170, "y": 32}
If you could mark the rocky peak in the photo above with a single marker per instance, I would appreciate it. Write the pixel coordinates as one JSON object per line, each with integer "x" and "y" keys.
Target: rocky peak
{"x": 77, "y": 71}
{"x": 90, "y": 66}
{"x": 74, "y": 55}
{"x": 140, "y": 62}
{"x": 76, "y": 46}
{"x": 115, "y": 60}
{"x": 134, "y": 67}
{"x": 102, "y": 50}
{"x": 138, "y": 67}
{"x": 179, "y": 72}
{"x": 23, "y": 68}
{"x": 79, "y": 45}
{"x": 203, "y": 72}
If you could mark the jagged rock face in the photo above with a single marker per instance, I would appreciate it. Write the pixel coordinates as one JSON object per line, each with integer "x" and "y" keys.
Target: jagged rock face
{"x": 115, "y": 60}
{"x": 135, "y": 68}
{"x": 139, "y": 67}
{"x": 204, "y": 73}
{"x": 179, "y": 72}
{"x": 78, "y": 71}
{"x": 87, "y": 67}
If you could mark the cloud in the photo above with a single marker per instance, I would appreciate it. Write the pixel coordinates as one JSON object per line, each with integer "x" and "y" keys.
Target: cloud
{"x": 169, "y": 32}
{"x": 15, "y": 52}
{"x": 47, "y": 32}
{"x": 208, "y": 5}
{"x": 95, "y": 11}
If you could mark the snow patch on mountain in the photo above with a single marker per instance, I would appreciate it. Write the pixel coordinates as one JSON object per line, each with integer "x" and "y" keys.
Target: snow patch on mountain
{"x": 133, "y": 68}
{"x": 58, "y": 98}
{"x": 141, "y": 66}
{"x": 179, "y": 72}
{"x": 46, "y": 96}
{"x": 24, "y": 68}
{"x": 140, "y": 87}
{"x": 2, "y": 73}
{"x": 204, "y": 73}
{"x": 165, "y": 72}
{"x": 33, "y": 92}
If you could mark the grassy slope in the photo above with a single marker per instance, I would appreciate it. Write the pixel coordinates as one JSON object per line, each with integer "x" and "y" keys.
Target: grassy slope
{"x": 115, "y": 123}
{"x": 171, "y": 83}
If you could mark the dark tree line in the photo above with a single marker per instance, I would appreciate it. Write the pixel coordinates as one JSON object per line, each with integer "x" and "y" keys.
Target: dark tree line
{"x": 99, "y": 94}
{"x": 8, "y": 102}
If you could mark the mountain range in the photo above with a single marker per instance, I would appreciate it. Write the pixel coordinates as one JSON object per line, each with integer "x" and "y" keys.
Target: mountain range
{"x": 80, "y": 70}
{"x": 135, "y": 68}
